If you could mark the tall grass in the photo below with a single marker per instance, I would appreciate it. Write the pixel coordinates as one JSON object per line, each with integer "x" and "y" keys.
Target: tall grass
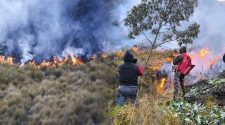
{"x": 64, "y": 95}
{"x": 149, "y": 111}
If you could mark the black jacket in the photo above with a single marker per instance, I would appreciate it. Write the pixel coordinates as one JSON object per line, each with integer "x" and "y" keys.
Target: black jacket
{"x": 128, "y": 72}
{"x": 224, "y": 58}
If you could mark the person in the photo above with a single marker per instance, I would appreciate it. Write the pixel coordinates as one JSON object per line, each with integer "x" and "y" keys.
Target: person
{"x": 128, "y": 79}
{"x": 224, "y": 58}
{"x": 183, "y": 66}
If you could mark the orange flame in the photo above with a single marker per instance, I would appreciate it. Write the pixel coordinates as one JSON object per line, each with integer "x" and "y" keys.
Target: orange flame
{"x": 134, "y": 49}
{"x": 7, "y": 60}
{"x": 161, "y": 86}
{"x": 120, "y": 54}
{"x": 204, "y": 52}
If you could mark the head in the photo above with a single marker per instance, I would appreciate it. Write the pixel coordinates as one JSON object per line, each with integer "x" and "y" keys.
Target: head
{"x": 183, "y": 49}
{"x": 129, "y": 57}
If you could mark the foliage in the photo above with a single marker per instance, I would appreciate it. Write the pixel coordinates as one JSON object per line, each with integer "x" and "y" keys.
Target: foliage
{"x": 148, "y": 112}
{"x": 200, "y": 91}
{"x": 163, "y": 19}
{"x": 198, "y": 114}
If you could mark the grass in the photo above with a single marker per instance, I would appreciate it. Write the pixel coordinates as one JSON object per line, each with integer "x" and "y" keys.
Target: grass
{"x": 64, "y": 95}
{"x": 150, "y": 111}
{"x": 82, "y": 95}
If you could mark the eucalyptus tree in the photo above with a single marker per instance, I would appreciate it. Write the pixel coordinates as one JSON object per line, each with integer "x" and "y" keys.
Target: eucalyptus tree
{"x": 163, "y": 21}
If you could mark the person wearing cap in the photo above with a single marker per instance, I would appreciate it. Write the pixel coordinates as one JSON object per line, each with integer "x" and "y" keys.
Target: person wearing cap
{"x": 128, "y": 79}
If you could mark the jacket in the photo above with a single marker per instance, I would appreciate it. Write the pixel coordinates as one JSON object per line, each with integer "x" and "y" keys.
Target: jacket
{"x": 129, "y": 71}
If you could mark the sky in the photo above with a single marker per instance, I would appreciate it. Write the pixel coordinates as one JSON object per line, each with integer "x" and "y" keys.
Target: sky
{"x": 43, "y": 28}
{"x": 210, "y": 14}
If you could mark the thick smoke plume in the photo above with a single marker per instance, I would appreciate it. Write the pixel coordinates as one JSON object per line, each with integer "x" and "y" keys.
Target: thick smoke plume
{"x": 210, "y": 15}
{"x": 40, "y": 29}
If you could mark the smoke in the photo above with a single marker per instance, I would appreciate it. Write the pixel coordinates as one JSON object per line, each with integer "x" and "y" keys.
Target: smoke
{"x": 40, "y": 29}
{"x": 210, "y": 14}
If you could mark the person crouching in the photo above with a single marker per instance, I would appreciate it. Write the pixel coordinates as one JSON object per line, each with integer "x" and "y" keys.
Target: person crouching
{"x": 128, "y": 79}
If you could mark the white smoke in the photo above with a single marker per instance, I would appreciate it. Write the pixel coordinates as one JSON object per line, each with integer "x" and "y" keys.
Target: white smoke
{"x": 42, "y": 28}
{"x": 33, "y": 28}
{"x": 210, "y": 14}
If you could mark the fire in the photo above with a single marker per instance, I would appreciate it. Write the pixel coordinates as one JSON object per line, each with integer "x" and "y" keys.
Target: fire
{"x": 120, "y": 54}
{"x": 156, "y": 67}
{"x": 7, "y": 60}
{"x": 56, "y": 61}
{"x": 134, "y": 49}
{"x": 76, "y": 61}
{"x": 204, "y": 59}
{"x": 161, "y": 86}
{"x": 204, "y": 52}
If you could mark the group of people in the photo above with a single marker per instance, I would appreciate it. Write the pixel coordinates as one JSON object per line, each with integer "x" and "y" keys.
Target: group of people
{"x": 130, "y": 71}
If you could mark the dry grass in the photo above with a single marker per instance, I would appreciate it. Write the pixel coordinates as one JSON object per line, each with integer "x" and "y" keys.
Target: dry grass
{"x": 152, "y": 108}
{"x": 150, "y": 111}
{"x": 80, "y": 95}
{"x": 65, "y": 95}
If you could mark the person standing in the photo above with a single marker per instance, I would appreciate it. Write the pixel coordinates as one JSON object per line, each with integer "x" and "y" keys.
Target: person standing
{"x": 183, "y": 66}
{"x": 224, "y": 58}
{"x": 128, "y": 79}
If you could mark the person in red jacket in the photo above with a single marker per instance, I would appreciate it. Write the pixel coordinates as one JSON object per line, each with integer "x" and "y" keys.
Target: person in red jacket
{"x": 183, "y": 67}
{"x": 128, "y": 79}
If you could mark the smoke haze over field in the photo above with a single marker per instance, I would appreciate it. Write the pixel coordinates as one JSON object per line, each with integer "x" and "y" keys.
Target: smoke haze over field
{"x": 43, "y": 28}
{"x": 40, "y": 29}
{"x": 211, "y": 16}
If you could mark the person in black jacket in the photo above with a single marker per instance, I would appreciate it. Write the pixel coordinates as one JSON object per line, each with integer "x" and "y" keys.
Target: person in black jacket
{"x": 128, "y": 79}
{"x": 224, "y": 58}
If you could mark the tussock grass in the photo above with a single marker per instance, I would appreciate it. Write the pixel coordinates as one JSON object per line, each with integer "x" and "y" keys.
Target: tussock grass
{"x": 67, "y": 95}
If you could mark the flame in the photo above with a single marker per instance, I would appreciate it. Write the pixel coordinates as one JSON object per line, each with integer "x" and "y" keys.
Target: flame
{"x": 56, "y": 61}
{"x": 169, "y": 59}
{"x": 204, "y": 52}
{"x": 156, "y": 67}
{"x": 7, "y": 60}
{"x": 120, "y": 54}
{"x": 161, "y": 86}
{"x": 134, "y": 49}
{"x": 205, "y": 58}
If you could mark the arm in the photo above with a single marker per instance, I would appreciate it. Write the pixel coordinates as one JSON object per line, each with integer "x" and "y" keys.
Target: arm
{"x": 177, "y": 60}
{"x": 140, "y": 70}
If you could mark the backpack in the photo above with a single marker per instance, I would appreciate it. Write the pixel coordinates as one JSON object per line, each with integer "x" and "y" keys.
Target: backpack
{"x": 185, "y": 66}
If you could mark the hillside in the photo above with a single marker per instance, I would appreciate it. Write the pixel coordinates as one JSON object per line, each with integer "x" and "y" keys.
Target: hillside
{"x": 65, "y": 95}
{"x": 84, "y": 94}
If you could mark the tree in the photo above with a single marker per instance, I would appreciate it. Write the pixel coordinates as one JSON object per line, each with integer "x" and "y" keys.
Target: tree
{"x": 162, "y": 21}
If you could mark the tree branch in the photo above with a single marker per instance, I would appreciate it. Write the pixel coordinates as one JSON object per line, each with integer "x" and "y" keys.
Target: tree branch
{"x": 147, "y": 38}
